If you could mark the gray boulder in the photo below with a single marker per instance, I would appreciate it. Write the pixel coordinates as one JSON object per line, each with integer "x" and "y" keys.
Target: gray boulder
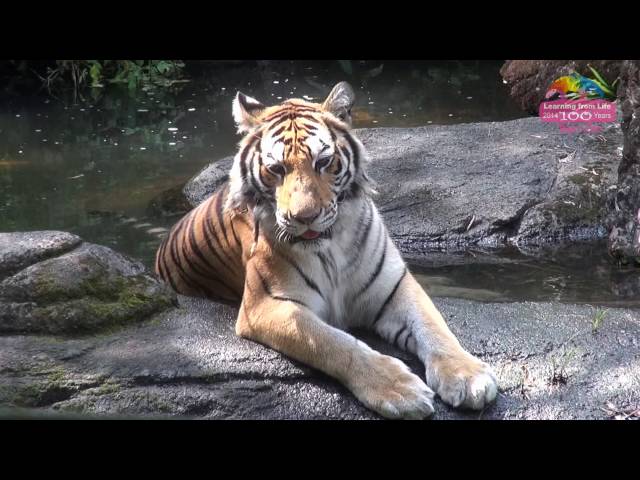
{"x": 21, "y": 249}
{"x": 485, "y": 185}
{"x": 85, "y": 289}
{"x": 205, "y": 182}
{"x": 553, "y": 361}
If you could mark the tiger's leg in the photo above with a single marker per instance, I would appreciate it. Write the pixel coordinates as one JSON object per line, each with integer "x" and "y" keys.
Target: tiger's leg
{"x": 410, "y": 320}
{"x": 288, "y": 325}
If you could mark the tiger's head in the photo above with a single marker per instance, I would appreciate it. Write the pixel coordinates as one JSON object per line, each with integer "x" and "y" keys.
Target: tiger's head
{"x": 298, "y": 161}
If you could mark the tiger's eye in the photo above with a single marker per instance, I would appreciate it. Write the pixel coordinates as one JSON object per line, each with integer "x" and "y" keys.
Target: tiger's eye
{"x": 323, "y": 162}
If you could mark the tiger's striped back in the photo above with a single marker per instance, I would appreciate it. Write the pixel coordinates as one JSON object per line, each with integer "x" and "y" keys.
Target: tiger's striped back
{"x": 203, "y": 253}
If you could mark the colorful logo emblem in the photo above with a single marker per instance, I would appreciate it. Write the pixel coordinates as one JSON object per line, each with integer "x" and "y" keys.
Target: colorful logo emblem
{"x": 577, "y": 102}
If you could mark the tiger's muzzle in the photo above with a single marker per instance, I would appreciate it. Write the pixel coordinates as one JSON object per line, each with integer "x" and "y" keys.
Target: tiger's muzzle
{"x": 306, "y": 225}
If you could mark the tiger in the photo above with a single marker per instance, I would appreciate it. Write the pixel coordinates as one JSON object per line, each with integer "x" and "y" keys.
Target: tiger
{"x": 294, "y": 239}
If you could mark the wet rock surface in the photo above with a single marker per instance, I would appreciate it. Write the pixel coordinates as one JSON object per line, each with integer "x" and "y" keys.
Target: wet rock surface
{"x": 21, "y": 249}
{"x": 205, "y": 182}
{"x": 85, "y": 289}
{"x": 624, "y": 201}
{"x": 529, "y": 80}
{"x": 187, "y": 362}
{"x": 487, "y": 185}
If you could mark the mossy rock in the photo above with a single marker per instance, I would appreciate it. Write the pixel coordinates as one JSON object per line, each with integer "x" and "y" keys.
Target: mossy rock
{"x": 86, "y": 290}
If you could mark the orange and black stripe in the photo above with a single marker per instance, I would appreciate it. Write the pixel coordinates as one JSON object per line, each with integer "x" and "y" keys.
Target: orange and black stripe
{"x": 202, "y": 254}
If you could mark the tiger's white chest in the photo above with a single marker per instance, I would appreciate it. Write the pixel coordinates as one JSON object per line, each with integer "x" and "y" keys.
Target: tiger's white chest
{"x": 352, "y": 270}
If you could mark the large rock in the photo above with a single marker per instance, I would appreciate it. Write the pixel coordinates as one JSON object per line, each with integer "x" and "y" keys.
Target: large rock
{"x": 529, "y": 80}
{"x": 624, "y": 201}
{"x": 85, "y": 289}
{"x": 21, "y": 249}
{"x": 205, "y": 182}
{"x": 486, "y": 185}
{"x": 551, "y": 363}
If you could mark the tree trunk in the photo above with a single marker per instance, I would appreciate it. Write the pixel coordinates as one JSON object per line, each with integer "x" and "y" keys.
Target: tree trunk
{"x": 624, "y": 220}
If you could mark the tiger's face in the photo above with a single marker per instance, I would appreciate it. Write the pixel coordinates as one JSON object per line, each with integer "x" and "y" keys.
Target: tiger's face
{"x": 298, "y": 161}
{"x": 301, "y": 170}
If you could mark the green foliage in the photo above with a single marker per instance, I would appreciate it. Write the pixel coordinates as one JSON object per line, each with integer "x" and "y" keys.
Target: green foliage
{"x": 559, "y": 364}
{"x": 136, "y": 73}
{"x": 608, "y": 90}
{"x": 98, "y": 73}
{"x": 597, "y": 319}
{"x": 95, "y": 72}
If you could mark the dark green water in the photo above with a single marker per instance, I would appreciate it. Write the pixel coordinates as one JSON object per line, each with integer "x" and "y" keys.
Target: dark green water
{"x": 575, "y": 274}
{"x": 89, "y": 167}
{"x": 92, "y": 167}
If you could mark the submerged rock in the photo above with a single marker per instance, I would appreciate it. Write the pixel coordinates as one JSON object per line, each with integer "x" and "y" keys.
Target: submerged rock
{"x": 492, "y": 184}
{"x": 86, "y": 289}
{"x": 551, "y": 363}
{"x": 168, "y": 203}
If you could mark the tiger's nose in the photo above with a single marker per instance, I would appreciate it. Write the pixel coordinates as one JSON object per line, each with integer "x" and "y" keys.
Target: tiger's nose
{"x": 306, "y": 217}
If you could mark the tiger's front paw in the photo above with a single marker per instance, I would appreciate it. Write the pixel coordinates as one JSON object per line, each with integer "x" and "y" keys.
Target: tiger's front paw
{"x": 386, "y": 385}
{"x": 462, "y": 381}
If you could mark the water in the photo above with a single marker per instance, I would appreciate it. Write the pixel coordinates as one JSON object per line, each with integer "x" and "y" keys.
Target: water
{"x": 575, "y": 274}
{"x": 92, "y": 167}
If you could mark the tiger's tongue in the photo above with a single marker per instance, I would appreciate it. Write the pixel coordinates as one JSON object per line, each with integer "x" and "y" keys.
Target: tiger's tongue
{"x": 310, "y": 235}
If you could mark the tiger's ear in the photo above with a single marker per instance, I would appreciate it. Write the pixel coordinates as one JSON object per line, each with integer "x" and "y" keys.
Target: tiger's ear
{"x": 339, "y": 102}
{"x": 245, "y": 112}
